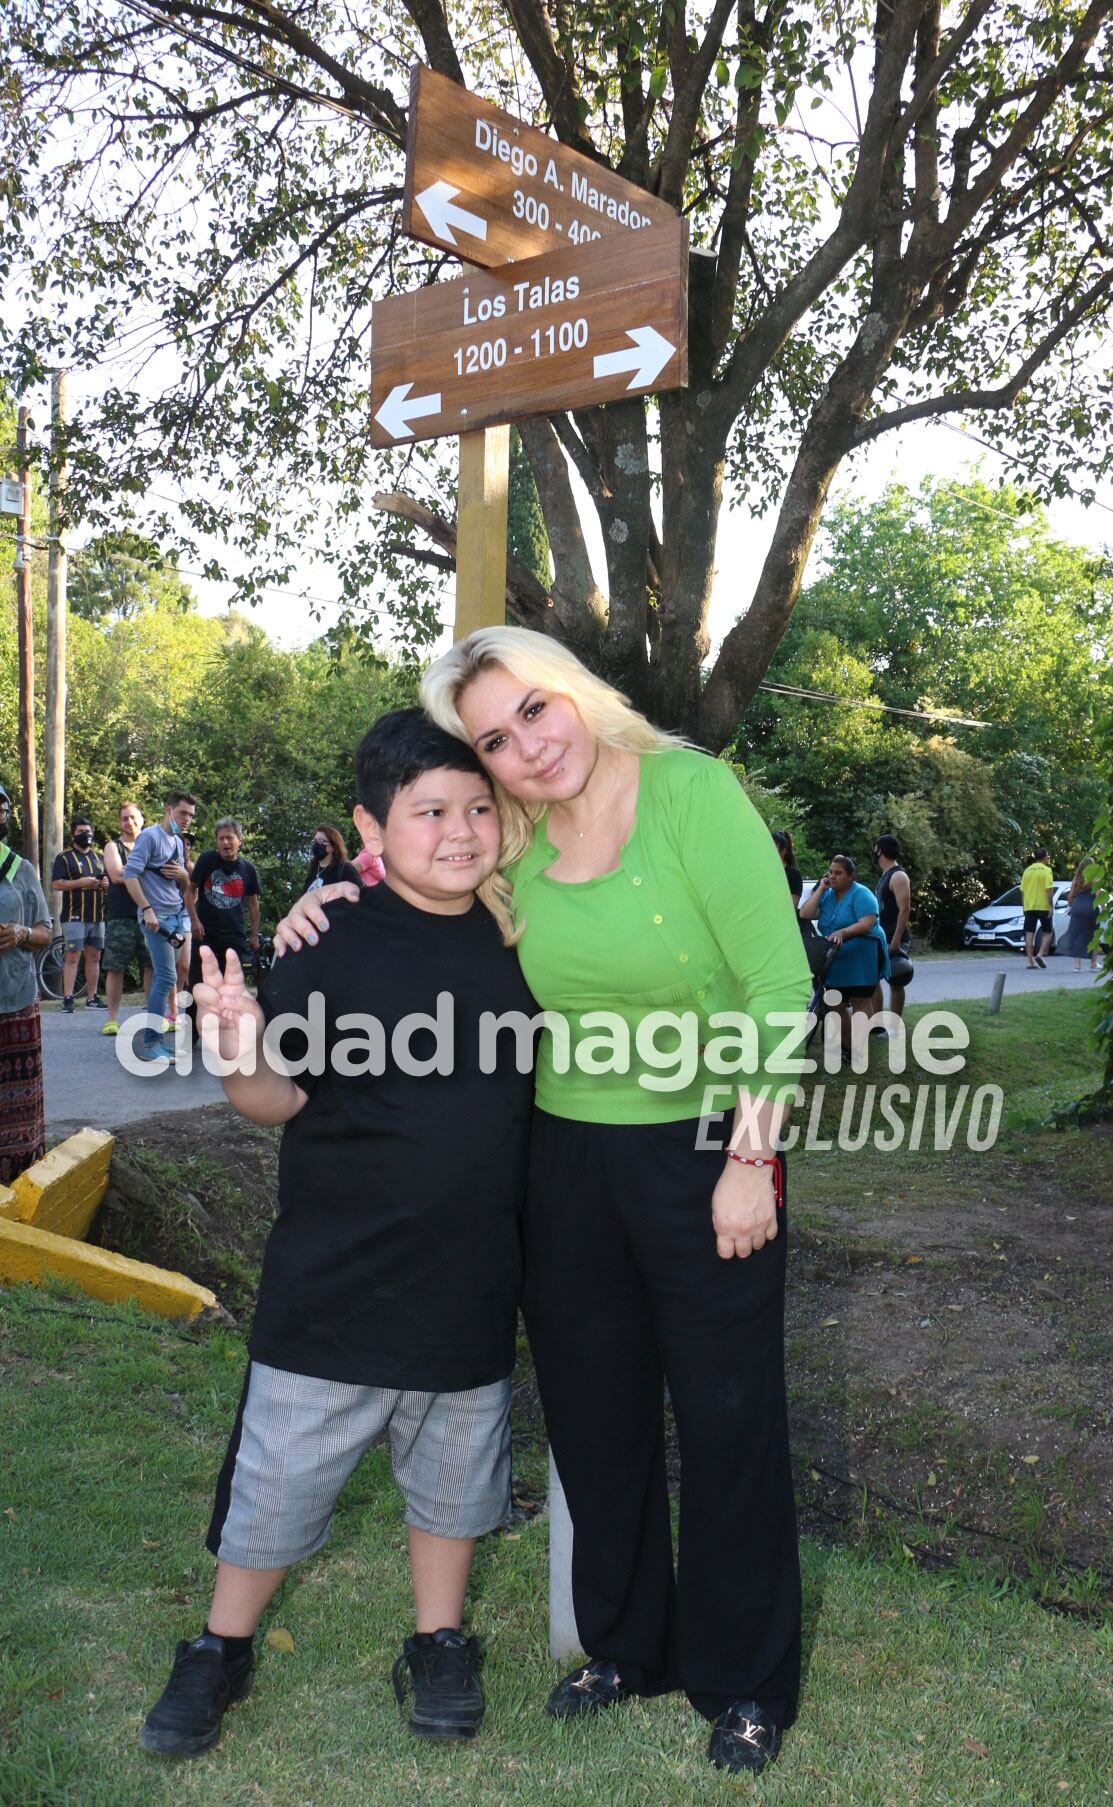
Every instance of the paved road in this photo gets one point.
(972, 976)
(86, 1085)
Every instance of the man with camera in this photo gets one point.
(157, 878)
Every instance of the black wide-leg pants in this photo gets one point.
(625, 1291)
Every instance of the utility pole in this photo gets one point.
(28, 775)
(54, 727)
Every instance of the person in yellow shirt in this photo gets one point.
(1035, 894)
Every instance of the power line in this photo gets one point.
(1013, 458)
(846, 702)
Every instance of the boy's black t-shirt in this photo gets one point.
(395, 1259)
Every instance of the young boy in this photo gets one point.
(390, 1279)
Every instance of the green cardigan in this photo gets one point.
(695, 919)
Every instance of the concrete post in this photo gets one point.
(995, 994)
(564, 1639)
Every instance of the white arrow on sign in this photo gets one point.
(396, 412)
(437, 205)
(651, 353)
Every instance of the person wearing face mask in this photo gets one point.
(24, 931)
(222, 887)
(328, 860)
(79, 877)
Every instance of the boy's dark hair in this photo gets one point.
(888, 845)
(173, 798)
(80, 822)
(1040, 854)
(395, 752)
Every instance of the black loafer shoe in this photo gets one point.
(446, 1698)
(592, 1689)
(744, 1738)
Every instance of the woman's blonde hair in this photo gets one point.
(542, 664)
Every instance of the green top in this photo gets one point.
(695, 919)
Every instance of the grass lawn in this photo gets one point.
(918, 1689)
(948, 1343)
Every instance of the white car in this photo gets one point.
(1001, 923)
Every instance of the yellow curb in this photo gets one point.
(62, 1193)
(29, 1254)
(9, 1203)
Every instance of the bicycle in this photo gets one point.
(48, 967)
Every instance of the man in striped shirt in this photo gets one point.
(78, 876)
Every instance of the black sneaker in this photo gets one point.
(185, 1719)
(447, 1700)
(744, 1738)
(1041, 963)
(95, 1003)
(67, 1006)
(592, 1689)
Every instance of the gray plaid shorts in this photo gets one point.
(299, 1439)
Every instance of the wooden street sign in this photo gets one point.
(569, 330)
(494, 190)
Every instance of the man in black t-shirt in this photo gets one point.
(79, 878)
(222, 887)
(390, 1281)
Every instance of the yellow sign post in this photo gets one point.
(481, 530)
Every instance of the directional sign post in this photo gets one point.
(552, 319)
(496, 190)
(567, 330)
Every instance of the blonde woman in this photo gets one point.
(643, 882)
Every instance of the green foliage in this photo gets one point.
(118, 574)
(526, 538)
(1098, 1105)
(161, 696)
(201, 209)
(956, 598)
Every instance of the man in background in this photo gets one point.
(156, 878)
(79, 878)
(223, 901)
(1036, 894)
(894, 905)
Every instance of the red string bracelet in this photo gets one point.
(762, 1160)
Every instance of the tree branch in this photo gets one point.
(756, 349)
(429, 17)
(733, 237)
(687, 99)
(964, 207)
(374, 104)
(580, 605)
(528, 604)
(556, 79)
(962, 401)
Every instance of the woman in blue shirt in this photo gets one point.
(846, 913)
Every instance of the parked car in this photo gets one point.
(1001, 923)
